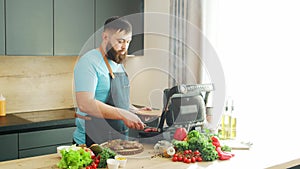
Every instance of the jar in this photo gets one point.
(2, 106)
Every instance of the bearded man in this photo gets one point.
(102, 88)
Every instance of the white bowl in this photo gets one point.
(112, 163)
(64, 147)
(122, 160)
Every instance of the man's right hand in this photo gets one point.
(131, 120)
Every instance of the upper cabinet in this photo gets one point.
(2, 29)
(63, 27)
(29, 27)
(131, 10)
(73, 25)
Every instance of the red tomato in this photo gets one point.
(180, 158)
(94, 165)
(186, 151)
(184, 159)
(193, 159)
(174, 159)
(199, 159)
(175, 155)
(88, 167)
(188, 161)
(196, 152)
(97, 161)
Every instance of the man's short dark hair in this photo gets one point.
(117, 24)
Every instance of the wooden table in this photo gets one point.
(243, 159)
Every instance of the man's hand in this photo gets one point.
(131, 120)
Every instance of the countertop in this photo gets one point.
(37, 120)
(244, 159)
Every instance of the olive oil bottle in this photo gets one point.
(226, 123)
(233, 122)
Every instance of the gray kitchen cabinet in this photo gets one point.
(37, 151)
(29, 27)
(73, 25)
(44, 141)
(2, 30)
(8, 147)
(132, 10)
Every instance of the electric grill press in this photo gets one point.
(184, 106)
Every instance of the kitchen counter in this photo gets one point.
(243, 159)
(38, 120)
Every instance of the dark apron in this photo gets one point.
(99, 130)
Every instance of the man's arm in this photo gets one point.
(87, 104)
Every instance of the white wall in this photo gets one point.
(148, 73)
(259, 49)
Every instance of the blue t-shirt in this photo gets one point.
(91, 75)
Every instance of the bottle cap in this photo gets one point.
(2, 97)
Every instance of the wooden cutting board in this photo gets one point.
(126, 150)
(235, 144)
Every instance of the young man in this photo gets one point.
(102, 88)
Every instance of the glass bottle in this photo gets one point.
(233, 122)
(226, 122)
(2, 106)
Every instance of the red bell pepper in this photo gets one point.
(223, 155)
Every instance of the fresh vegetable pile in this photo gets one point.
(198, 147)
(90, 158)
(103, 153)
(74, 159)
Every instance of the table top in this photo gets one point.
(147, 160)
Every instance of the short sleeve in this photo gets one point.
(85, 76)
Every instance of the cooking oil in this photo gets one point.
(2, 106)
(226, 120)
(233, 123)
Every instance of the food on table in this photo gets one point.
(198, 146)
(74, 158)
(122, 160)
(161, 148)
(102, 153)
(180, 134)
(124, 147)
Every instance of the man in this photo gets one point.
(102, 88)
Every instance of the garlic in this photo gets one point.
(171, 151)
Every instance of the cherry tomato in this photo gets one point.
(94, 165)
(88, 167)
(180, 158)
(93, 156)
(97, 161)
(188, 160)
(199, 159)
(190, 151)
(193, 159)
(196, 152)
(186, 151)
(175, 155)
(174, 159)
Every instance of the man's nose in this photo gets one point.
(124, 46)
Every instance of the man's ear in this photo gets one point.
(105, 36)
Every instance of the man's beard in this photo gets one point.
(114, 55)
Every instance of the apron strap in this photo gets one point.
(107, 64)
(82, 117)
